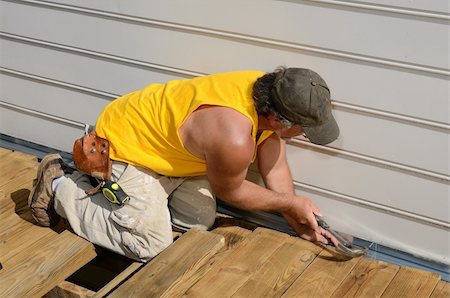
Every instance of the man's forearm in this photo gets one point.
(251, 196)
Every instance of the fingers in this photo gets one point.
(311, 219)
(331, 237)
(307, 233)
(312, 222)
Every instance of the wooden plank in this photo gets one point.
(14, 168)
(23, 156)
(369, 278)
(17, 178)
(15, 224)
(411, 282)
(14, 198)
(43, 265)
(280, 270)
(4, 151)
(233, 237)
(442, 290)
(323, 276)
(184, 256)
(19, 234)
(7, 153)
(227, 276)
(67, 289)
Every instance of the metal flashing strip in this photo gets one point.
(31, 148)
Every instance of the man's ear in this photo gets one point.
(274, 122)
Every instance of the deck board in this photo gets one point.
(233, 237)
(188, 253)
(283, 267)
(34, 259)
(410, 282)
(37, 269)
(442, 290)
(369, 278)
(227, 276)
(230, 261)
(322, 277)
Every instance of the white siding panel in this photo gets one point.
(354, 82)
(414, 237)
(438, 6)
(38, 130)
(360, 133)
(304, 22)
(86, 71)
(403, 143)
(49, 99)
(370, 182)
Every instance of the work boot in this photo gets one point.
(41, 200)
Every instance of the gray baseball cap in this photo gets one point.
(302, 96)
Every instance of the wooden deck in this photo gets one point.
(228, 261)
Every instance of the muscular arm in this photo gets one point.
(227, 164)
(274, 169)
(222, 137)
(273, 165)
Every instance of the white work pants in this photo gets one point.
(141, 228)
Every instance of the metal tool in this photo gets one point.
(344, 246)
(114, 193)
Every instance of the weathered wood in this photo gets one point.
(280, 270)
(14, 167)
(369, 278)
(67, 289)
(20, 235)
(4, 151)
(15, 199)
(322, 276)
(411, 282)
(180, 259)
(228, 275)
(16, 182)
(233, 237)
(22, 156)
(442, 290)
(44, 265)
(13, 224)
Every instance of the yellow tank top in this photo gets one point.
(143, 126)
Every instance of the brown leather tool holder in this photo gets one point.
(91, 156)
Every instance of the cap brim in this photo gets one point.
(323, 134)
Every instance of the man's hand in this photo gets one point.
(301, 216)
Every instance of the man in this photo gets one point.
(176, 146)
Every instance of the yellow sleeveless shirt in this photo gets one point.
(143, 126)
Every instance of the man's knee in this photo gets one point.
(192, 205)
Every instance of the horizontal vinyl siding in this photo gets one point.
(386, 179)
